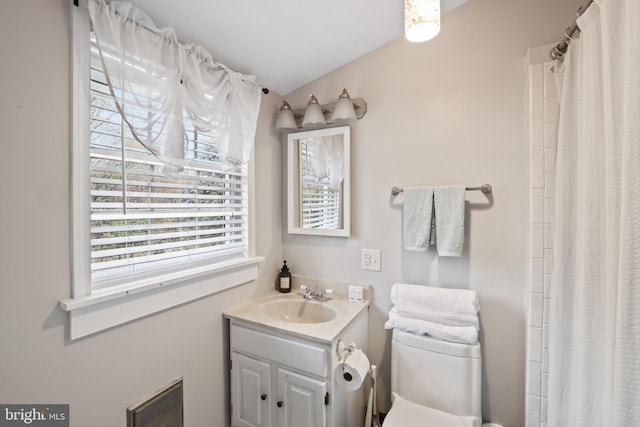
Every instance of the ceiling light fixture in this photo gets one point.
(421, 19)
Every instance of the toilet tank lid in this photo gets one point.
(431, 344)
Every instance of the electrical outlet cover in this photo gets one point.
(370, 259)
(352, 293)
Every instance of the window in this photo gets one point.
(144, 232)
(144, 220)
(320, 203)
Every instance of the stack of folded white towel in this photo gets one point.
(445, 314)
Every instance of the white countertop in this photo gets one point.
(346, 312)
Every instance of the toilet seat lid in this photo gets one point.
(404, 413)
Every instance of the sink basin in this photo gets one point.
(299, 311)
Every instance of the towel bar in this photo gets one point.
(486, 189)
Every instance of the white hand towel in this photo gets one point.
(444, 317)
(459, 334)
(408, 297)
(449, 208)
(418, 207)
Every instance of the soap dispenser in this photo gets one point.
(283, 283)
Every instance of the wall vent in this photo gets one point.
(163, 409)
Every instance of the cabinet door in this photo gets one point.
(250, 389)
(300, 400)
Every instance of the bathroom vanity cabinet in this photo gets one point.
(277, 381)
(282, 375)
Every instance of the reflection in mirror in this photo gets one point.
(318, 182)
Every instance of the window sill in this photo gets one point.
(106, 309)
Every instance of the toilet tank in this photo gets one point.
(439, 374)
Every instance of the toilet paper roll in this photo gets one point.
(351, 371)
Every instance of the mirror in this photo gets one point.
(318, 182)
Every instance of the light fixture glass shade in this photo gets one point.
(421, 19)
(313, 116)
(344, 113)
(285, 120)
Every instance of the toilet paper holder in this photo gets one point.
(343, 352)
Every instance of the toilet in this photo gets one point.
(434, 383)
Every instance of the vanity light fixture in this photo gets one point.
(314, 116)
(344, 113)
(285, 120)
(421, 19)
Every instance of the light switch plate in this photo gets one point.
(370, 259)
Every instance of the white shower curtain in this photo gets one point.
(594, 341)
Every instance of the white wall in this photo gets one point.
(449, 111)
(101, 375)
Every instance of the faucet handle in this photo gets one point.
(304, 290)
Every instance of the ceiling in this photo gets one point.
(284, 43)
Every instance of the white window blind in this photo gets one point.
(143, 220)
(320, 204)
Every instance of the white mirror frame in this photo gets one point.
(293, 183)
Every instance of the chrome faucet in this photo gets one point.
(315, 294)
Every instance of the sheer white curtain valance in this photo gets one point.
(166, 84)
(327, 159)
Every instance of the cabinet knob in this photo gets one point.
(279, 403)
(263, 397)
